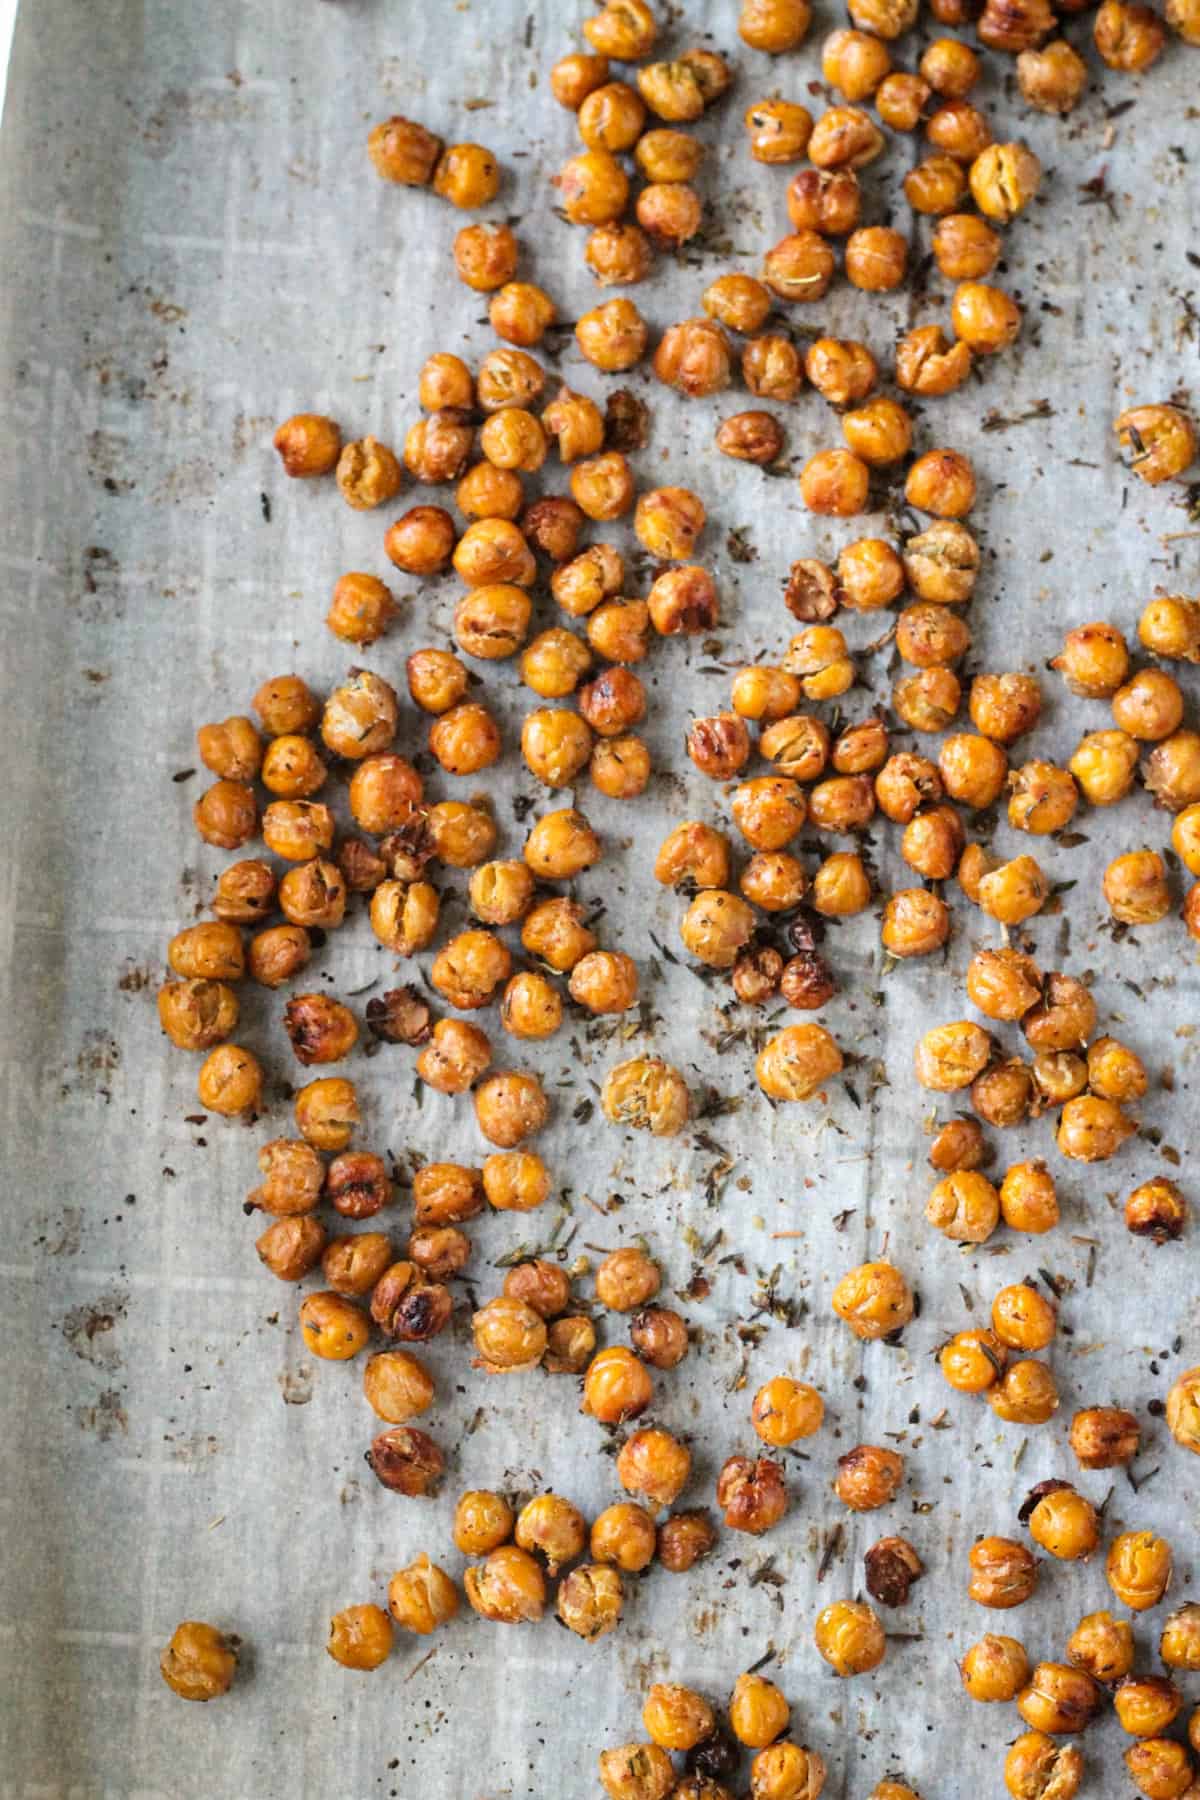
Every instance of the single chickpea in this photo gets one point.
(1015, 25)
(901, 100)
(845, 137)
(1052, 79)
(308, 445)
(835, 483)
(1139, 1571)
(868, 1477)
(941, 482)
(1179, 1642)
(531, 1006)
(455, 1057)
(508, 1587)
(276, 955)
(1028, 1201)
(637, 1772)
(876, 258)
(1036, 1761)
(824, 200)
(874, 1299)
(928, 364)
(677, 1718)
(774, 25)
(659, 1336)
(555, 931)
(226, 815)
(752, 1494)
(958, 1145)
(576, 76)
(972, 1361)
(664, 155)
(985, 318)
(683, 1539)
(230, 1081)
(1157, 1210)
(1128, 37)
(995, 1668)
(509, 1337)
(716, 926)
(785, 1410)
(625, 1536)
(1003, 1573)
(646, 1094)
(616, 1387)
(772, 369)
(778, 130)
(1015, 891)
(1104, 1437)
(935, 186)
(1094, 661)
(1062, 1521)
(1102, 1647)
(965, 247)
(515, 1181)
(619, 254)
(1041, 797)
(1135, 887)
(928, 700)
(200, 1662)
(849, 1636)
(854, 62)
(1058, 1698)
(964, 1206)
(915, 923)
(1005, 707)
(669, 212)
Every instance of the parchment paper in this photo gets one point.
(192, 247)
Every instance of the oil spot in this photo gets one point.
(296, 1386)
(194, 1449)
(134, 980)
(105, 1418)
(89, 1330)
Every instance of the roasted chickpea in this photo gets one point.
(1015, 891)
(778, 130)
(576, 76)
(1179, 1642)
(508, 1587)
(668, 522)
(439, 1252)
(772, 369)
(456, 1056)
(1101, 1646)
(929, 700)
(553, 525)
(958, 1145)
(404, 917)
(1139, 1572)
(1058, 1698)
(901, 99)
(654, 1466)
(1028, 1201)
(616, 1387)
(603, 486)
(964, 1206)
(1157, 1210)
(1170, 627)
(774, 25)
(232, 749)
(949, 1057)
(1026, 1394)
(835, 484)
(936, 185)
(637, 1772)
(861, 748)
(555, 932)
(659, 1336)
(510, 1107)
(676, 1717)
(684, 1539)
(669, 212)
(716, 926)
(1146, 1705)
(845, 137)
(531, 1006)
(1052, 79)
(230, 1081)
(291, 1248)
(849, 1636)
(332, 1328)
(226, 815)
(752, 1496)
(200, 1662)
(738, 302)
(965, 247)
(1061, 1520)
(646, 1094)
(308, 445)
(972, 1361)
(874, 1300)
(1135, 887)
(553, 1528)
(876, 258)
(768, 812)
(1129, 37)
(868, 1477)
(694, 853)
(1149, 706)
(1003, 1573)
(277, 954)
(663, 156)
(515, 1181)
(1036, 1768)
(915, 923)
(995, 1668)
(625, 1536)
(758, 1712)
(1159, 1767)
(1094, 661)
(785, 1410)
(1041, 797)
(1181, 17)
(509, 1336)
(854, 62)
(799, 267)
(824, 200)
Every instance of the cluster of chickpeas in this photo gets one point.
(758, 1719)
(1058, 1699)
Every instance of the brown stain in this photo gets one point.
(88, 1330)
(135, 980)
(105, 1418)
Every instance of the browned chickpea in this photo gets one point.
(854, 62)
(668, 522)
(1003, 1573)
(1157, 1210)
(949, 1057)
(905, 783)
(493, 552)
(958, 1145)
(293, 1177)
(1181, 17)
(554, 662)
(455, 1057)
(1129, 37)
(716, 926)
(1004, 707)
(550, 1526)
(835, 483)
(1183, 1410)
(695, 854)
(308, 445)
(277, 954)
(352, 1266)
(439, 1252)
(616, 1387)
(875, 260)
(1005, 984)
(719, 746)
(508, 1588)
(964, 1206)
(487, 492)
(446, 1194)
(933, 842)
(544, 1286)
(1093, 661)
(799, 267)
(665, 156)
(509, 1336)
(926, 362)
(230, 1081)
(515, 1181)
(845, 137)
(614, 701)
(603, 486)
(738, 302)
(817, 656)
(613, 337)
(1065, 1017)
(1026, 1394)
(422, 1597)
(901, 99)
(1058, 1698)
(1170, 627)
(1015, 891)
(362, 606)
(531, 1006)
(1149, 706)
(1004, 179)
(233, 749)
(861, 748)
(972, 1361)
(1102, 1647)
(1160, 440)
(1146, 1705)
(1139, 1571)
(553, 525)
(468, 970)
(936, 185)
(485, 257)
(556, 744)
(683, 1539)
(403, 151)
(774, 881)
(1061, 1520)
(965, 248)
(1104, 1437)
(915, 923)
(612, 116)
(297, 829)
(1042, 797)
(510, 1107)
(483, 1520)
(593, 187)
(950, 67)
(774, 25)
(1052, 79)
(618, 254)
(1172, 772)
(245, 892)
(654, 1466)
(996, 1668)
(467, 175)
(226, 815)
(797, 1062)
(844, 803)
(1135, 887)
(659, 1336)
(778, 130)
(492, 621)
(1179, 1645)
(368, 474)
(556, 933)
(291, 1248)
(874, 1300)
(849, 1636)
(576, 76)
(501, 892)
(199, 1663)
(669, 212)
(1005, 1094)
(752, 1496)
(605, 981)
(1028, 1201)
(870, 575)
(868, 1477)
(197, 1013)
(771, 368)
(1036, 1766)
(984, 318)
(438, 448)
(207, 952)
(637, 1772)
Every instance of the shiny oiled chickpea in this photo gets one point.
(200, 1662)
(758, 1711)
(669, 212)
(755, 437)
(439, 1252)
(1022, 1318)
(716, 926)
(646, 1094)
(1157, 1210)
(972, 1361)
(797, 1062)
(1004, 707)
(780, 1770)
(949, 1057)
(1149, 707)
(868, 1477)
(360, 716)
(774, 25)
(494, 552)
(1003, 1573)
(1052, 79)
(1061, 1520)
(1181, 17)
(774, 881)
(778, 130)
(1028, 1201)
(901, 99)
(576, 76)
(1015, 25)
(800, 267)
(835, 484)
(593, 187)
(230, 1081)
(196, 1014)
(352, 1266)
(367, 474)
(1146, 1705)
(1036, 1768)
(277, 954)
(1102, 1647)
(422, 1597)
(552, 1527)
(467, 175)
(861, 748)
(1058, 1699)
(965, 247)
(1135, 887)
(625, 1536)
(662, 156)
(941, 482)
(964, 1206)
(929, 635)
(207, 952)
(915, 923)
(752, 1495)
(984, 318)
(455, 1057)
(1094, 660)
(1170, 627)
(1114, 1071)
(510, 1107)
(995, 1668)
(849, 1636)
(1139, 1570)
(437, 449)
(1129, 37)
(785, 1410)
(291, 1248)
(226, 815)
(1004, 179)
(1005, 1094)
(696, 854)
(958, 1145)
(1015, 891)
(772, 369)
(654, 1466)
(297, 829)
(1159, 1767)
(824, 200)
(1026, 1394)
(929, 700)
(637, 1772)
(531, 1006)
(950, 67)
(332, 1327)
(509, 1336)
(232, 749)
(875, 260)
(974, 771)
(676, 1717)
(817, 656)
(845, 137)
(935, 186)
(293, 1176)
(1179, 1642)
(515, 1181)
(738, 302)
(619, 254)
(508, 1587)
(932, 843)
(928, 364)
(617, 1386)
(1041, 797)
(960, 129)
(1160, 441)
(308, 445)
(874, 1300)
(1065, 1016)
(603, 486)
(854, 62)
(285, 705)
(626, 1279)
(1172, 772)
(245, 892)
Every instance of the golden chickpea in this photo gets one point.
(1170, 627)
(995, 1668)
(664, 155)
(1058, 1699)
(352, 1266)
(308, 445)
(974, 771)
(483, 1520)
(438, 448)
(618, 254)
(752, 1495)
(531, 1006)
(403, 151)
(1139, 1571)
(738, 302)
(207, 952)
(368, 474)
(510, 1107)
(226, 815)
(719, 746)
(277, 954)
(555, 932)
(1135, 887)
(683, 601)
(556, 744)
(285, 705)
(233, 749)
(785, 1410)
(197, 1013)
(291, 1248)
(771, 368)
(941, 482)
(874, 1300)
(964, 1206)
(1052, 79)
(1004, 179)
(1022, 1318)
(422, 1597)
(508, 1587)
(509, 1336)
(637, 1772)
(972, 1361)
(1015, 891)
(646, 1094)
(868, 1477)
(758, 1712)
(1172, 771)
(716, 926)
(613, 337)
(230, 1081)
(1026, 1394)
(1179, 1642)
(778, 130)
(841, 370)
(958, 1145)
(293, 1177)
(668, 522)
(1102, 1647)
(468, 970)
(876, 258)
(199, 1663)
(1181, 17)
(554, 663)
(515, 1181)
(593, 187)
(576, 76)
(862, 748)
(669, 212)
(553, 1528)
(845, 137)
(467, 175)
(1129, 37)
(553, 525)
(491, 621)
(603, 486)
(694, 853)
(605, 981)
(677, 1718)
(1063, 1522)
(849, 1636)
(485, 257)
(950, 67)
(774, 25)
(1037, 1767)
(494, 551)
(781, 1769)
(1003, 1573)
(984, 318)
(654, 1466)
(1094, 661)
(966, 249)
(854, 62)
(1146, 1705)
(1157, 1210)
(625, 1536)
(835, 484)
(332, 1328)
(936, 185)
(1028, 1201)
(901, 99)
(455, 1057)
(616, 1387)
(915, 923)
(1149, 707)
